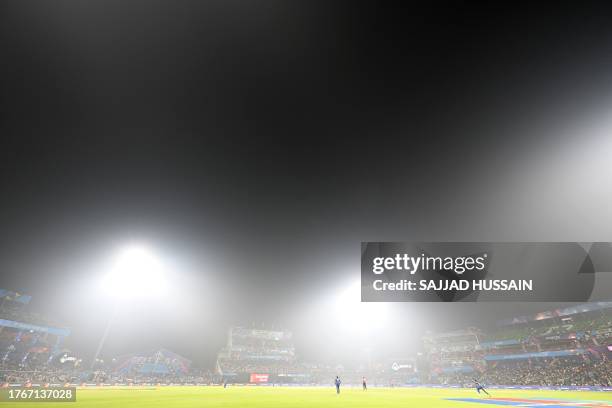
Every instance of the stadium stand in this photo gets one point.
(164, 362)
(260, 356)
(564, 347)
(26, 339)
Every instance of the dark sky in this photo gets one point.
(256, 144)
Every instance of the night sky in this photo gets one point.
(254, 145)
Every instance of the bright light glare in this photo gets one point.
(135, 272)
(358, 315)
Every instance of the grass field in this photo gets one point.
(287, 397)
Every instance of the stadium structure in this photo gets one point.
(28, 341)
(563, 347)
(260, 356)
(570, 347)
(158, 362)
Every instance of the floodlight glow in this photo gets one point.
(135, 272)
(358, 315)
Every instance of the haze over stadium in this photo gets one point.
(185, 188)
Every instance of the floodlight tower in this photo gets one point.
(136, 273)
(357, 315)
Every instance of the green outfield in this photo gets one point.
(303, 397)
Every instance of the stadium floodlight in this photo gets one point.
(358, 315)
(135, 272)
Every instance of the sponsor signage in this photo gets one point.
(259, 378)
